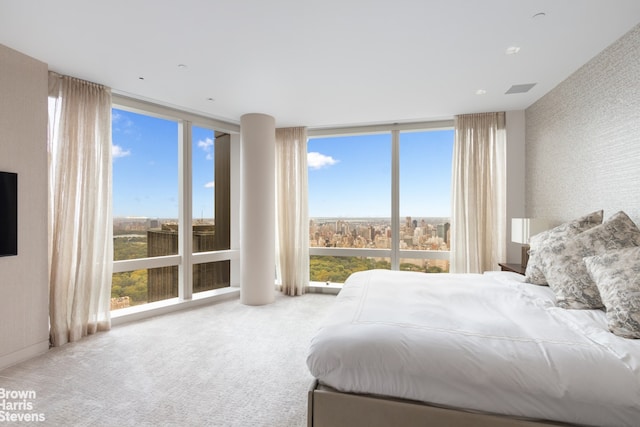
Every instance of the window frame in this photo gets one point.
(395, 254)
(186, 259)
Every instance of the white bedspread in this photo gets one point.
(482, 342)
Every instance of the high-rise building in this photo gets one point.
(163, 282)
(447, 228)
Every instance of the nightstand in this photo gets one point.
(516, 268)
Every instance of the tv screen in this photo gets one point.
(8, 213)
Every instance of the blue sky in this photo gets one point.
(351, 176)
(145, 167)
(348, 176)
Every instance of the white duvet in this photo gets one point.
(481, 342)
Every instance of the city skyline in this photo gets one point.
(419, 233)
(413, 233)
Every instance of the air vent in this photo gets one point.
(520, 88)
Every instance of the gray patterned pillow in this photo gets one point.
(617, 274)
(567, 274)
(544, 245)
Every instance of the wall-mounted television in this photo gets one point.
(8, 213)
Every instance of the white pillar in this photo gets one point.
(257, 211)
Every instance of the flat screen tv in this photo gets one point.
(8, 214)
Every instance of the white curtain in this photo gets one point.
(292, 217)
(80, 230)
(478, 224)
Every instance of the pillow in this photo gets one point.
(617, 275)
(567, 274)
(542, 246)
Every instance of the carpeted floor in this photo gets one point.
(221, 365)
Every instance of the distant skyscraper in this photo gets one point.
(447, 228)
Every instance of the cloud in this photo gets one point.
(117, 151)
(122, 123)
(207, 147)
(206, 144)
(211, 184)
(317, 160)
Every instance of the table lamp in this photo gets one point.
(521, 231)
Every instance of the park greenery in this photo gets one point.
(130, 283)
(321, 268)
(337, 269)
(129, 247)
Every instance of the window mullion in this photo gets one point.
(185, 215)
(395, 199)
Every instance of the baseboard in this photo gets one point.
(23, 354)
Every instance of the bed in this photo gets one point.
(404, 348)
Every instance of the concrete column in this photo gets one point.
(257, 209)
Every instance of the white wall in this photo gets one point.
(24, 299)
(583, 139)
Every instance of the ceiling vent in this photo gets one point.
(520, 88)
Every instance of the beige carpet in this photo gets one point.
(222, 365)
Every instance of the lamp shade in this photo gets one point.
(523, 228)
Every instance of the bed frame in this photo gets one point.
(328, 407)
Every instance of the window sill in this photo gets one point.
(144, 311)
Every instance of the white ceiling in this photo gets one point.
(319, 63)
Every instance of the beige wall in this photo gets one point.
(583, 139)
(515, 126)
(24, 330)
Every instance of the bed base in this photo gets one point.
(328, 407)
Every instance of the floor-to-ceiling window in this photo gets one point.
(376, 200)
(349, 205)
(425, 200)
(145, 204)
(211, 199)
(379, 199)
(171, 206)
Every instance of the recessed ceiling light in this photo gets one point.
(182, 66)
(210, 99)
(140, 78)
(480, 92)
(539, 15)
(512, 50)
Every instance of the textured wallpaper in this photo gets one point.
(583, 139)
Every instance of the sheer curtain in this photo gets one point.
(478, 223)
(292, 217)
(80, 233)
